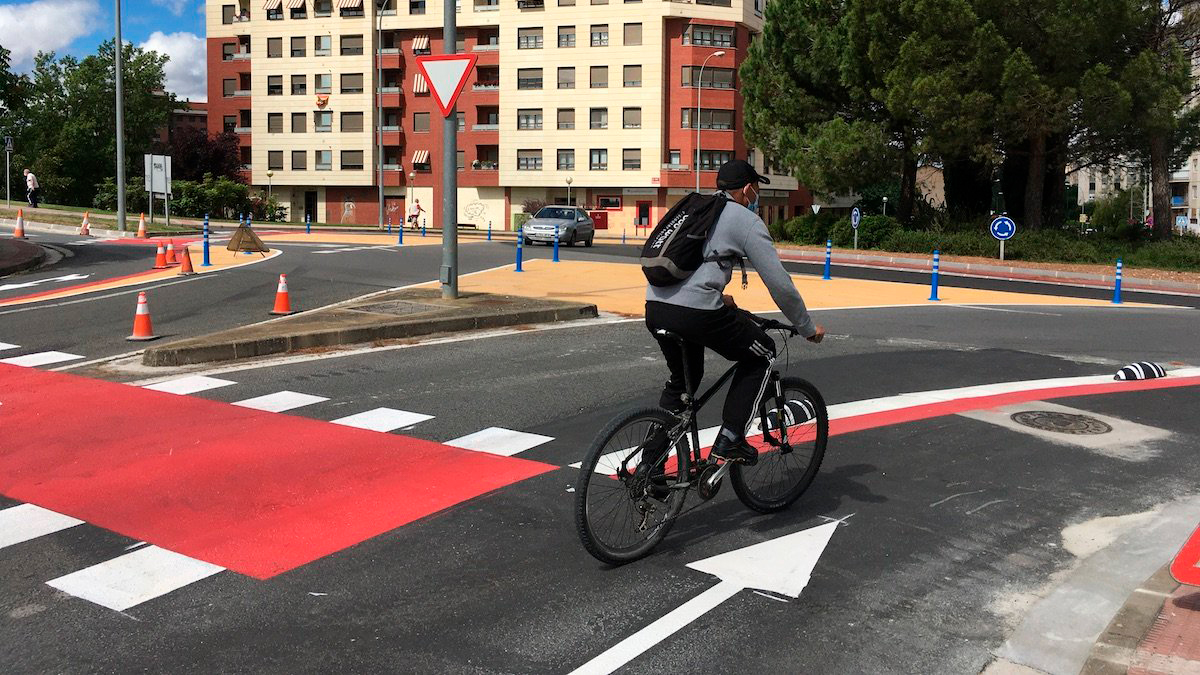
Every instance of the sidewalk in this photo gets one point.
(1156, 632)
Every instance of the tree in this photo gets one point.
(194, 153)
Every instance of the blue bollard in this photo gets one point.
(307, 224)
(622, 236)
(828, 258)
(241, 219)
(207, 262)
(400, 235)
(520, 248)
(1117, 285)
(555, 244)
(933, 295)
(422, 227)
(389, 225)
(489, 230)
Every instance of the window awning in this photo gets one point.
(421, 157)
(349, 4)
(420, 85)
(295, 4)
(272, 4)
(420, 42)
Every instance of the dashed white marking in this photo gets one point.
(134, 578)
(191, 384)
(499, 441)
(38, 282)
(382, 419)
(6, 345)
(280, 401)
(40, 359)
(26, 521)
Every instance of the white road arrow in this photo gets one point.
(781, 565)
(28, 284)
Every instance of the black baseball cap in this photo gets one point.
(738, 173)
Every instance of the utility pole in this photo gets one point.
(379, 6)
(120, 46)
(449, 272)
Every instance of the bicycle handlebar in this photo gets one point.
(772, 324)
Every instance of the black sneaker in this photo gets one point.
(735, 451)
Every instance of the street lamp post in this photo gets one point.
(412, 176)
(698, 83)
(569, 202)
(120, 87)
(270, 173)
(885, 206)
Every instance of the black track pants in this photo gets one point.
(727, 332)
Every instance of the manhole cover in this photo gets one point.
(398, 307)
(1060, 422)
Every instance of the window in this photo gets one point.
(322, 45)
(529, 160)
(750, 157)
(599, 161)
(274, 48)
(598, 118)
(566, 3)
(600, 35)
(300, 12)
(323, 121)
(298, 47)
(566, 36)
(274, 85)
(352, 160)
(460, 160)
(460, 121)
(352, 45)
(352, 83)
(298, 123)
(599, 2)
(633, 34)
(422, 166)
(714, 78)
(275, 13)
(228, 50)
(416, 6)
(323, 7)
(566, 118)
(531, 4)
(609, 203)
(631, 118)
(355, 9)
(228, 12)
(529, 78)
(566, 78)
(709, 119)
(352, 121)
(228, 86)
(299, 85)
(633, 76)
(229, 122)
(631, 159)
(711, 160)
(275, 159)
(274, 123)
(529, 118)
(708, 36)
(323, 83)
(599, 77)
(674, 159)
(420, 121)
(299, 160)
(529, 38)
(566, 160)
(324, 160)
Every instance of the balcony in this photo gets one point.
(485, 48)
(1181, 176)
(390, 99)
(389, 127)
(674, 167)
(478, 165)
(485, 127)
(391, 167)
(393, 137)
(241, 130)
(485, 86)
(241, 92)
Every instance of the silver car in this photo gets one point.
(573, 224)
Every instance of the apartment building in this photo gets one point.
(591, 101)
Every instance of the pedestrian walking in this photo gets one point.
(32, 187)
(414, 213)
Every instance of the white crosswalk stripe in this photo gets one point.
(40, 359)
(383, 419)
(26, 521)
(499, 441)
(281, 401)
(6, 345)
(191, 384)
(134, 578)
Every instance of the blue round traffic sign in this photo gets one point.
(855, 218)
(1003, 228)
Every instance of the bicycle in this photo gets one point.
(790, 429)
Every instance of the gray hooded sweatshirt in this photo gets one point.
(742, 234)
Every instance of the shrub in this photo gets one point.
(809, 229)
(531, 206)
(874, 229)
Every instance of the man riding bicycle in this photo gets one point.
(698, 311)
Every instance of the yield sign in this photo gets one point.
(446, 73)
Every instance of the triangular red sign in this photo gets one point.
(447, 75)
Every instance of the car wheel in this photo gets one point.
(528, 241)
(589, 241)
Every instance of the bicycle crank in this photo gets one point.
(710, 480)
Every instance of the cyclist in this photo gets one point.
(698, 310)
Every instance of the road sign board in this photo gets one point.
(855, 218)
(1003, 228)
(8, 144)
(158, 174)
(1181, 222)
(816, 208)
(446, 74)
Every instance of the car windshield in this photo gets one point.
(555, 213)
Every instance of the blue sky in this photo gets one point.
(174, 27)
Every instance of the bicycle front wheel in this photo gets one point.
(620, 513)
(793, 428)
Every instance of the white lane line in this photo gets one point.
(499, 441)
(6, 345)
(280, 401)
(382, 419)
(26, 521)
(134, 578)
(40, 359)
(191, 384)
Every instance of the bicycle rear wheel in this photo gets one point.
(619, 514)
(797, 422)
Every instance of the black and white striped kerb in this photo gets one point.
(1140, 371)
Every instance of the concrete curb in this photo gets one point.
(29, 255)
(1113, 651)
(50, 228)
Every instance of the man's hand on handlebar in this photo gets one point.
(729, 302)
(818, 336)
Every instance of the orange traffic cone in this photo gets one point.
(171, 252)
(19, 232)
(283, 305)
(142, 227)
(160, 260)
(185, 260)
(85, 226)
(142, 328)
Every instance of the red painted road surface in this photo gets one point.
(258, 493)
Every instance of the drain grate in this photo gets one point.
(397, 307)
(1062, 423)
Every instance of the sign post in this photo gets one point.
(1003, 229)
(8, 151)
(855, 219)
(447, 74)
(158, 180)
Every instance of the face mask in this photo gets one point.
(753, 205)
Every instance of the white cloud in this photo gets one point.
(186, 71)
(45, 25)
(176, 6)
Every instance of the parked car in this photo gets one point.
(574, 225)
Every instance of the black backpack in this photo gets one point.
(675, 249)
